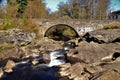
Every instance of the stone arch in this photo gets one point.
(61, 32)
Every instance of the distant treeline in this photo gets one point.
(75, 9)
(25, 9)
(83, 9)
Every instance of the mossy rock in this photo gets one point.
(5, 46)
(112, 26)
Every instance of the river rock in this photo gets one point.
(109, 71)
(12, 42)
(35, 62)
(50, 47)
(13, 53)
(73, 71)
(94, 52)
(46, 58)
(107, 36)
(111, 74)
(1, 72)
(117, 59)
(65, 66)
(16, 36)
(9, 66)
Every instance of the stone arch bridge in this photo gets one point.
(80, 26)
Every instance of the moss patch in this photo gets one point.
(112, 26)
(5, 46)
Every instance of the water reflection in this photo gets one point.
(28, 72)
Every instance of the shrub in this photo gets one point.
(25, 24)
(5, 46)
(30, 26)
(112, 26)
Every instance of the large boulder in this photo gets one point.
(14, 45)
(16, 36)
(93, 61)
(107, 36)
(111, 71)
(9, 51)
(110, 75)
(93, 52)
(9, 66)
(1, 72)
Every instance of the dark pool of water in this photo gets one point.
(29, 72)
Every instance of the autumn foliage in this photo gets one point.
(74, 9)
(25, 9)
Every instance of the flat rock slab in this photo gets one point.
(107, 36)
(93, 52)
(16, 36)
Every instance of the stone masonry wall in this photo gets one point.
(81, 26)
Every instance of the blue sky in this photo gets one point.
(52, 4)
(3, 4)
(114, 5)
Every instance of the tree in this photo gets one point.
(64, 11)
(21, 8)
(27, 9)
(36, 9)
(16, 8)
(12, 7)
(102, 9)
(85, 9)
(2, 13)
(75, 9)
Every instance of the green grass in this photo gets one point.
(112, 26)
(25, 24)
(5, 46)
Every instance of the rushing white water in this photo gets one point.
(57, 57)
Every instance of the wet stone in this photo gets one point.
(35, 62)
(9, 66)
(1, 72)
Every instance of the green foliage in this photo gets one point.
(8, 24)
(69, 32)
(25, 24)
(26, 9)
(17, 7)
(21, 8)
(83, 9)
(29, 25)
(5, 46)
(112, 26)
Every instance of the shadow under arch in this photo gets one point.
(60, 32)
